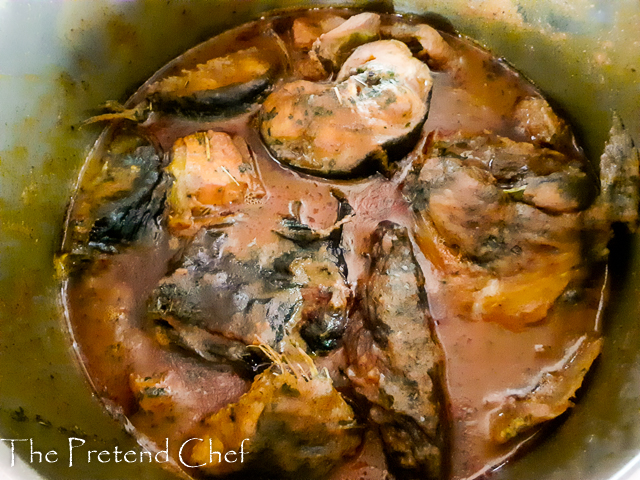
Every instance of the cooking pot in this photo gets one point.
(60, 60)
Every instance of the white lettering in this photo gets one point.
(212, 453)
(180, 454)
(227, 454)
(132, 452)
(242, 452)
(72, 446)
(13, 450)
(165, 451)
(116, 452)
(34, 452)
(100, 456)
(46, 457)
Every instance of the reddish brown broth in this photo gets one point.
(107, 303)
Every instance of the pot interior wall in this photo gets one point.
(60, 60)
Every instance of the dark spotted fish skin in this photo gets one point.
(397, 361)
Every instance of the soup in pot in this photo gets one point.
(341, 245)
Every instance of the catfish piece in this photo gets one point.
(619, 178)
(306, 30)
(289, 291)
(324, 315)
(292, 420)
(212, 173)
(502, 222)
(432, 46)
(221, 86)
(124, 201)
(509, 226)
(368, 119)
(334, 46)
(549, 396)
(619, 191)
(251, 301)
(397, 362)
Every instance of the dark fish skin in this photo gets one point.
(619, 192)
(222, 102)
(397, 362)
(239, 81)
(124, 219)
(213, 299)
(123, 203)
(620, 176)
(214, 291)
(619, 181)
